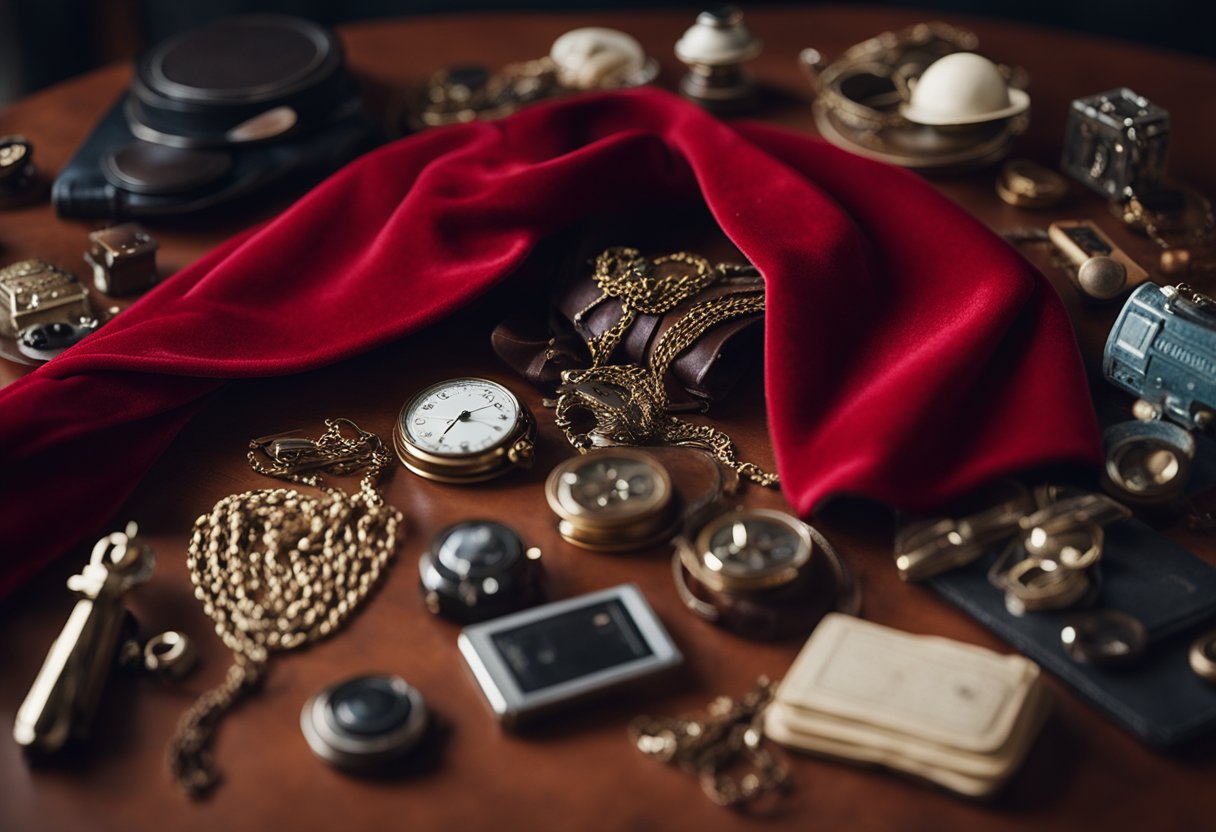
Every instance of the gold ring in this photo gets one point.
(1203, 656)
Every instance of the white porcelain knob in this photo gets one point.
(962, 88)
(717, 39)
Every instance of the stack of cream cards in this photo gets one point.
(958, 715)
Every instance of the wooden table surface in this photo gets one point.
(578, 772)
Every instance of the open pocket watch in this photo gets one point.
(464, 430)
(763, 573)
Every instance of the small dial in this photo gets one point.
(612, 499)
(750, 550)
(604, 485)
(461, 416)
(749, 546)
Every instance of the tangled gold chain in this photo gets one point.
(707, 746)
(278, 569)
(629, 403)
(643, 285)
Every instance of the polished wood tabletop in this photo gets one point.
(578, 771)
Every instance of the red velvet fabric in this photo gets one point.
(910, 354)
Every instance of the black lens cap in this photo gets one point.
(364, 721)
(145, 168)
(368, 706)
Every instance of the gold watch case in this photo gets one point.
(775, 548)
(614, 499)
(483, 448)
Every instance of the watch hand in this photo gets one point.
(739, 536)
(464, 414)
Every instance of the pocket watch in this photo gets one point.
(749, 550)
(477, 570)
(762, 573)
(612, 500)
(464, 430)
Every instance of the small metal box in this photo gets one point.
(1116, 143)
(36, 292)
(123, 258)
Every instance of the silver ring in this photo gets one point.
(170, 654)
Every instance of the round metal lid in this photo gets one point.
(145, 168)
(242, 59)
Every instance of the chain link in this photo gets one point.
(642, 285)
(629, 403)
(278, 569)
(706, 747)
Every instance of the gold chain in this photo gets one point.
(278, 569)
(629, 403)
(1183, 236)
(643, 286)
(706, 747)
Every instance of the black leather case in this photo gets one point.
(215, 113)
(83, 189)
(1160, 700)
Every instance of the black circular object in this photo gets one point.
(1147, 463)
(477, 549)
(367, 706)
(145, 168)
(364, 722)
(1106, 638)
(194, 89)
(243, 59)
(479, 569)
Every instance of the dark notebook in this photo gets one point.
(1160, 699)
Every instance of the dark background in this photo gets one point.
(44, 41)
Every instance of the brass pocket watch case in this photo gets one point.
(613, 499)
(464, 430)
(762, 573)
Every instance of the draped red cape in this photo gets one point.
(910, 353)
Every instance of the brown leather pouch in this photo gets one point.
(539, 346)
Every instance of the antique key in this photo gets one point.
(64, 697)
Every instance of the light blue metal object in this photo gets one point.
(1162, 349)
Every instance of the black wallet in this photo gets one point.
(1160, 699)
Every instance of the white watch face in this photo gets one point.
(460, 416)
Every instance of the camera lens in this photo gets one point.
(368, 706)
(364, 721)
